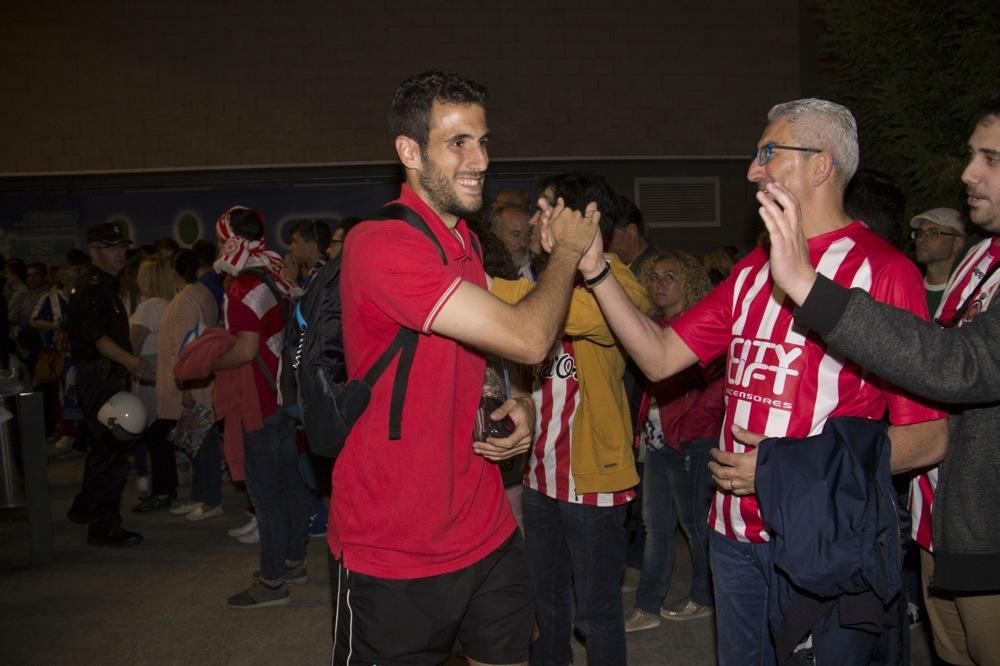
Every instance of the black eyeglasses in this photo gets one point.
(929, 234)
(764, 153)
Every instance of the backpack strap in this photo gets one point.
(398, 211)
(405, 342)
(264, 370)
(283, 303)
(405, 345)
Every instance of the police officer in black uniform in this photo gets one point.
(99, 342)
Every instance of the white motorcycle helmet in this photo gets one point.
(124, 415)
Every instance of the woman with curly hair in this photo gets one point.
(679, 422)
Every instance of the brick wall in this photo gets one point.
(150, 84)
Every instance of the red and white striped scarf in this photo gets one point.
(236, 253)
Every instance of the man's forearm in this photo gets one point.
(231, 359)
(544, 308)
(642, 338)
(918, 445)
(110, 350)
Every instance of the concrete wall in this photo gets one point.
(150, 84)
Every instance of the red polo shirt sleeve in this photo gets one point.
(407, 283)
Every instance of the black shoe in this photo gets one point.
(77, 515)
(118, 537)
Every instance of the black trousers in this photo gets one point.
(106, 468)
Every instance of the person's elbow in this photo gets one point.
(532, 348)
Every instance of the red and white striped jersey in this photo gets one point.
(966, 282)
(781, 380)
(557, 397)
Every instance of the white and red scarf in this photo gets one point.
(236, 254)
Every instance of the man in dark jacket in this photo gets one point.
(99, 341)
(955, 362)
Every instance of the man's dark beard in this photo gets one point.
(441, 193)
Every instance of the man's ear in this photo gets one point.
(408, 151)
(823, 168)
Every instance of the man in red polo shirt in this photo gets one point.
(427, 546)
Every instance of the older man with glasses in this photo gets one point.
(956, 362)
(780, 381)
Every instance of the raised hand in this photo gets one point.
(563, 226)
(790, 265)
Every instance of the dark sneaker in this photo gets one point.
(153, 503)
(295, 575)
(259, 595)
(119, 537)
(685, 609)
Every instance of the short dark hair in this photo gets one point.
(877, 200)
(246, 223)
(579, 189)
(410, 111)
(629, 213)
(313, 231)
(206, 252)
(186, 264)
(989, 107)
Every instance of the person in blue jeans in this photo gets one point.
(258, 292)
(679, 422)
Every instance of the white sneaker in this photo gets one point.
(250, 537)
(640, 620)
(203, 512)
(65, 442)
(184, 508)
(246, 528)
(685, 609)
(142, 485)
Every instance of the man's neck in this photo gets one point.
(413, 183)
(938, 272)
(822, 219)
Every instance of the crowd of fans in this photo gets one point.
(598, 457)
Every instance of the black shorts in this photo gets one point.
(488, 606)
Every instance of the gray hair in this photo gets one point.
(496, 214)
(821, 124)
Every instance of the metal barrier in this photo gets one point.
(24, 479)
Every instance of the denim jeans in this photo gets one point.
(278, 493)
(677, 487)
(206, 486)
(740, 572)
(579, 549)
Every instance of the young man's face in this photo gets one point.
(623, 242)
(34, 278)
(303, 251)
(982, 175)
(454, 162)
(336, 243)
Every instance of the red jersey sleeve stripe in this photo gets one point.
(440, 304)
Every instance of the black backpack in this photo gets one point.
(315, 350)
